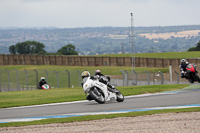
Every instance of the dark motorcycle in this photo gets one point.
(191, 74)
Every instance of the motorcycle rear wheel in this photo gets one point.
(97, 96)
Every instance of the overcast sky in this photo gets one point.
(98, 13)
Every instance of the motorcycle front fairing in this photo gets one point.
(45, 86)
(103, 87)
(108, 95)
(191, 68)
(88, 83)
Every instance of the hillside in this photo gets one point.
(101, 40)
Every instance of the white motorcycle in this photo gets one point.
(45, 86)
(99, 92)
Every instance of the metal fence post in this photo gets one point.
(123, 76)
(148, 77)
(177, 76)
(36, 78)
(135, 77)
(68, 78)
(127, 76)
(57, 78)
(26, 79)
(8, 79)
(79, 74)
(154, 78)
(46, 74)
(17, 78)
(162, 77)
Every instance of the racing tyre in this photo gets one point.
(120, 97)
(97, 96)
(197, 77)
(191, 80)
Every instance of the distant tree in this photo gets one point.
(22, 48)
(12, 49)
(30, 47)
(68, 50)
(197, 48)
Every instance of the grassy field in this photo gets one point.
(166, 55)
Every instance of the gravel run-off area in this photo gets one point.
(158, 123)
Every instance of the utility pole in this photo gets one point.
(132, 44)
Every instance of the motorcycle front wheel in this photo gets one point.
(197, 77)
(120, 97)
(97, 96)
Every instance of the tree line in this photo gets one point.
(196, 48)
(34, 47)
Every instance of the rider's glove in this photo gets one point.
(182, 75)
(92, 77)
(113, 87)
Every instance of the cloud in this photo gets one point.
(90, 13)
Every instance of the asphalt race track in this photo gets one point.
(166, 99)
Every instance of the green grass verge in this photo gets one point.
(35, 97)
(98, 117)
(166, 55)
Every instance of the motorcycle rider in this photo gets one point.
(104, 79)
(183, 67)
(98, 75)
(42, 82)
(85, 75)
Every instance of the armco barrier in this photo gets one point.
(89, 61)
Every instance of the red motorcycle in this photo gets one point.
(191, 73)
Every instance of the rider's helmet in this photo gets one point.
(85, 74)
(42, 78)
(97, 72)
(184, 62)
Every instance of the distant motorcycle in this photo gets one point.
(99, 92)
(45, 86)
(191, 73)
